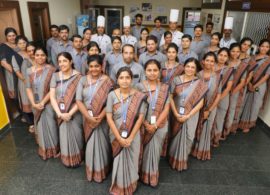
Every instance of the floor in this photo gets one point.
(241, 165)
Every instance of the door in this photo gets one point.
(191, 17)
(113, 19)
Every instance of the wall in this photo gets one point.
(265, 114)
(166, 4)
(61, 12)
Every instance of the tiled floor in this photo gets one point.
(241, 165)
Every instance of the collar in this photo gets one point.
(147, 53)
(78, 53)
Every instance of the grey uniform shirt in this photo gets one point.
(49, 44)
(137, 70)
(59, 47)
(158, 33)
(144, 57)
(136, 32)
(184, 56)
(111, 60)
(198, 46)
(79, 60)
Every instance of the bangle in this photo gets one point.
(156, 126)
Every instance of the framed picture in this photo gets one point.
(163, 19)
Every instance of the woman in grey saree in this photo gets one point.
(38, 82)
(187, 93)
(226, 74)
(91, 96)
(125, 112)
(155, 123)
(258, 87)
(62, 95)
(202, 146)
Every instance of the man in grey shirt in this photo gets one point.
(128, 53)
(185, 52)
(208, 31)
(157, 31)
(62, 45)
(151, 51)
(136, 30)
(79, 56)
(54, 30)
(198, 43)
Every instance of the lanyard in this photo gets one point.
(153, 102)
(37, 82)
(63, 89)
(124, 108)
(91, 92)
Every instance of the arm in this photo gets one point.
(215, 103)
(45, 99)
(164, 114)
(196, 108)
(239, 86)
(261, 81)
(227, 90)
(113, 126)
(173, 107)
(73, 110)
(136, 128)
(6, 65)
(54, 102)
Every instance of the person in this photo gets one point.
(91, 96)
(236, 96)
(62, 96)
(258, 87)
(62, 45)
(87, 32)
(185, 52)
(171, 67)
(137, 28)
(198, 43)
(226, 74)
(245, 44)
(94, 49)
(137, 69)
(202, 145)
(176, 35)
(214, 44)
(157, 31)
(115, 56)
(140, 46)
(186, 98)
(125, 112)
(167, 40)
(100, 38)
(37, 86)
(155, 123)
(227, 40)
(151, 51)
(116, 32)
(54, 30)
(127, 38)
(78, 55)
(209, 26)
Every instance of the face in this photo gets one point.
(235, 53)
(54, 32)
(171, 53)
(63, 35)
(93, 51)
(64, 64)
(173, 26)
(264, 48)
(100, 30)
(11, 37)
(209, 63)
(185, 43)
(223, 57)
(128, 55)
(168, 39)
(116, 44)
(214, 40)
(151, 46)
(209, 29)
(87, 35)
(198, 32)
(40, 57)
(21, 45)
(152, 72)
(77, 43)
(227, 32)
(158, 23)
(30, 51)
(190, 69)
(124, 80)
(139, 21)
(144, 34)
(95, 69)
(116, 32)
(126, 30)
(245, 46)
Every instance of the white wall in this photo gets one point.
(265, 114)
(61, 12)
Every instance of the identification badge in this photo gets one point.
(181, 110)
(90, 112)
(153, 120)
(62, 106)
(36, 96)
(124, 134)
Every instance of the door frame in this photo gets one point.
(187, 9)
(46, 20)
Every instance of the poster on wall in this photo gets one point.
(163, 19)
(146, 7)
(82, 22)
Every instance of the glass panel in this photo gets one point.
(113, 19)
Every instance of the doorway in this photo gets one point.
(40, 21)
